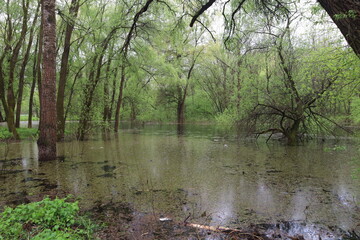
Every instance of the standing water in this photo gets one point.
(312, 190)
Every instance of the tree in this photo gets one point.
(9, 58)
(344, 13)
(70, 24)
(47, 137)
(346, 16)
(291, 95)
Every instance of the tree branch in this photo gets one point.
(201, 11)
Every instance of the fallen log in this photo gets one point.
(222, 230)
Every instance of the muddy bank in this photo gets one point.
(122, 222)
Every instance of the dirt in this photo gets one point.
(122, 222)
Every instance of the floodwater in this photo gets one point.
(218, 179)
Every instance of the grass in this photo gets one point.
(25, 118)
(24, 133)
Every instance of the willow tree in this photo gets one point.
(47, 137)
(344, 13)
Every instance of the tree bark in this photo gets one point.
(349, 25)
(74, 8)
(47, 138)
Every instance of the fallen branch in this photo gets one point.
(221, 229)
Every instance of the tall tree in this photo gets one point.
(73, 11)
(47, 138)
(125, 50)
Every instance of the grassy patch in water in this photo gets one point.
(24, 133)
(46, 219)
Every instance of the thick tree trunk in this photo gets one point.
(47, 138)
(292, 134)
(346, 15)
(74, 7)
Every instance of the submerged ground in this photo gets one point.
(206, 176)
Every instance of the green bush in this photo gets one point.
(46, 219)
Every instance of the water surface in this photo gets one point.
(218, 179)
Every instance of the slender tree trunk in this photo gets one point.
(106, 88)
(1, 117)
(74, 8)
(120, 98)
(346, 16)
(181, 105)
(23, 67)
(72, 90)
(10, 95)
(112, 101)
(32, 90)
(47, 138)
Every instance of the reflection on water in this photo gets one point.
(202, 171)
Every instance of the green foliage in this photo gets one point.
(335, 148)
(355, 110)
(46, 219)
(4, 133)
(25, 133)
(350, 14)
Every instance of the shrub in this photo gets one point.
(46, 219)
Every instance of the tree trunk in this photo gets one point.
(346, 16)
(292, 133)
(1, 117)
(106, 89)
(74, 7)
(47, 138)
(112, 101)
(120, 98)
(181, 106)
(23, 67)
(33, 84)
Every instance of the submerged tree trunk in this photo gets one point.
(346, 15)
(292, 134)
(47, 138)
(74, 8)
(181, 105)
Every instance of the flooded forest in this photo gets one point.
(173, 119)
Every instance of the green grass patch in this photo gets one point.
(46, 219)
(24, 133)
(26, 118)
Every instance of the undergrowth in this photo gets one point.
(46, 219)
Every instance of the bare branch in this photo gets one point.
(201, 11)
